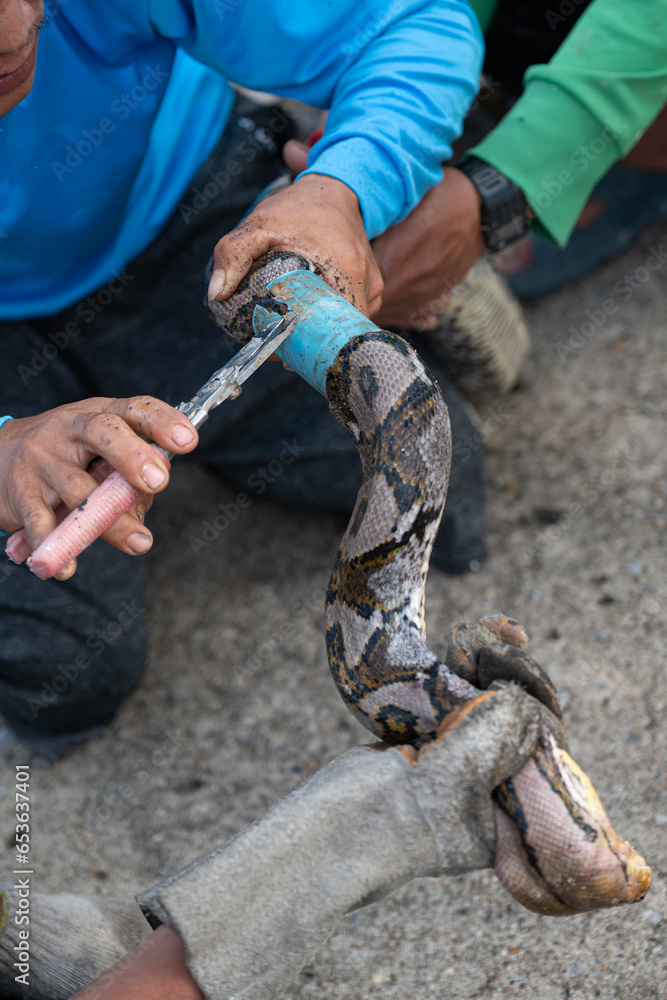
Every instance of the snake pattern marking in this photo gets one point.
(556, 850)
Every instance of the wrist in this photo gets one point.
(505, 214)
(331, 188)
(3, 420)
(459, 190)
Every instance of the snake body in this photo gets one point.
(556, 850)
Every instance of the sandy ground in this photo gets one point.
(237, 705)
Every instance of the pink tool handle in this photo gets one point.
(18, 547)
(79, 529)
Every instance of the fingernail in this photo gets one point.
(153, 475)
(139, 543)
(182, 435)
(66, 571)
(216, 284)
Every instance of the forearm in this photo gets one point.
(398, 107)
(398, 79)
(583, 111)
(154, 970)
(3, 420)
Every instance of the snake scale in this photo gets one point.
(556, 851)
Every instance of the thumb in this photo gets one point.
(38, 520)
(295, 155)
(38, 523)
(233, 258)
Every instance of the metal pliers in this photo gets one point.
(226, 382)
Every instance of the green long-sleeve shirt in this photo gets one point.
(582, 111)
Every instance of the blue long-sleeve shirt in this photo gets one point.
(131, 96)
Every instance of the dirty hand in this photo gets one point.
(43, 461)
(318, 217)
(256, 909)
(425, 255)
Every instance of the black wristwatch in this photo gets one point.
(506, 215)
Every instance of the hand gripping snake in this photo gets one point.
(556, 851)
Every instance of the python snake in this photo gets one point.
(556, 850)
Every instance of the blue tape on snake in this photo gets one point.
(326, 322)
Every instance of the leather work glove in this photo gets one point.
(254, 911)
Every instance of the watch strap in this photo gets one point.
(505, 213)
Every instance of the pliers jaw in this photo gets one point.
(226, 382)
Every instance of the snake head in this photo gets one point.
(556, 850)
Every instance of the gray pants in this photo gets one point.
(70, 653)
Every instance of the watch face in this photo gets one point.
(507, 233)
